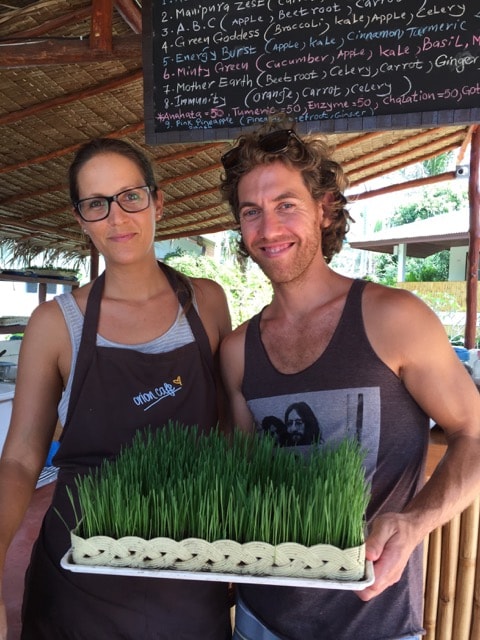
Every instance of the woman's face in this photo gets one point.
(121, 237)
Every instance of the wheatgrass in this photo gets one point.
(175, 482)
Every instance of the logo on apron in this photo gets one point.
(148, 399)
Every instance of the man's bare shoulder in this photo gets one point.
(400, 326)
(233, 343)
(391, 302)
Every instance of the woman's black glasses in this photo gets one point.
(273, 142)
(98, 208)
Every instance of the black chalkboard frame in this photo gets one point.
(407, 120)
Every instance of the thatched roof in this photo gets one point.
(57, 92)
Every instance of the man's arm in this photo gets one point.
(410, 339)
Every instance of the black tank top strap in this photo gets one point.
(354, 296)
(350, 324)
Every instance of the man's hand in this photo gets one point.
(389, 545)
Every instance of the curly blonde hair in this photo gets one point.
(310, 155)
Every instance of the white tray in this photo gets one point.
(66, 563)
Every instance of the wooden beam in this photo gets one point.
(50, 51)
(189, 229)
(69, 98)
(18, 197)
(191, 151)
(364, 137)
(47, 214)
(400, 144)
(37, 229)
(191, 174)
(133, 128)
(197, 212)
(407, 162)
(130, 13)
(101, 27)
(467, 140)
(474, 241)
(409, 184)
(190, 196)
(51, 25)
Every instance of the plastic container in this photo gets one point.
(7, 391)
(8, 371)
(462, 353)
(476, 372)
(464, 356)
(473, 356)
(52, 451)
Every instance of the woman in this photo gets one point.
(86, 358)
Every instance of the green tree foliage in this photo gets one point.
(430, 203)
(247, 289)
(431, 269)
(431, 167)
(386, 269)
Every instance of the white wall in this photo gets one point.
(12, 349)
(458, 262)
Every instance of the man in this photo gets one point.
(372, 362)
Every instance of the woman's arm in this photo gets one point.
(214, 312)
(232, 359)
(34, 416)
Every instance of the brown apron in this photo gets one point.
(115, 392)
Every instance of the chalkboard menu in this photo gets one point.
(213, 68)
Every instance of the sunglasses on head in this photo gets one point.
(273, 142)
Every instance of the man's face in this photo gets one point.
(295, 426)
(280, 222)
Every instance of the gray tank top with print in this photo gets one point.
(349, 391)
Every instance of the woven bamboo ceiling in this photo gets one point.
(68, 73)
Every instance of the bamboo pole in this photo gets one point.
(426, 551)
(432, 580)
(474, 241)
(448, 578)
(475, 630)
(467, 559)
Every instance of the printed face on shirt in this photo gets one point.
(295, 427)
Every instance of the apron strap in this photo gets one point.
(88, 341)
(185, 298)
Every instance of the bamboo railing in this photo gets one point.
(452, 578)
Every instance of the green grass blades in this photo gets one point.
(178, 483)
